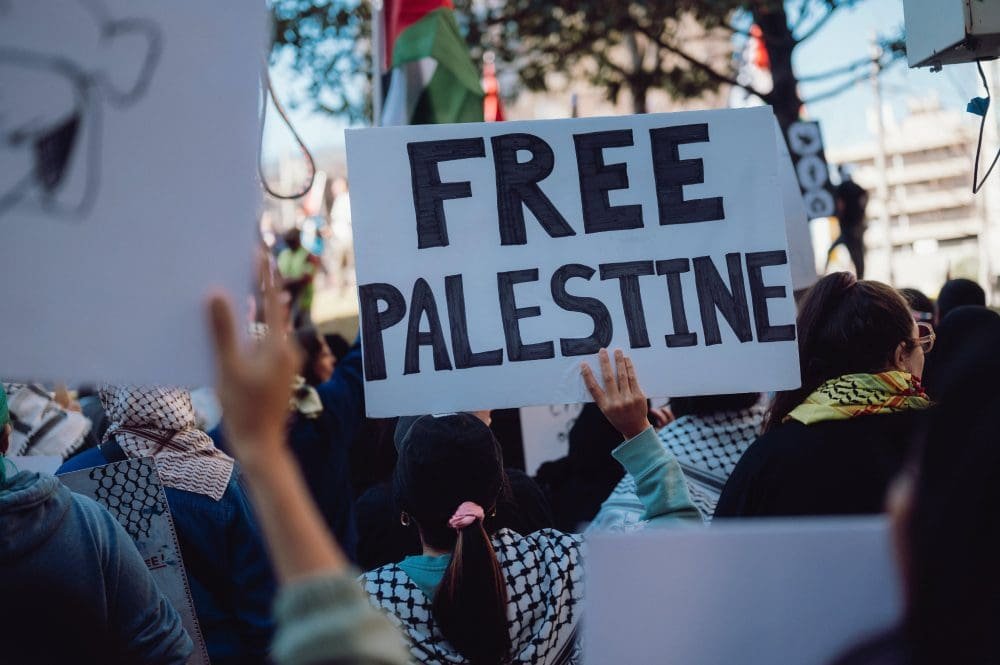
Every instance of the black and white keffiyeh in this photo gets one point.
(707, 449)
(160, 423)
(544, 589)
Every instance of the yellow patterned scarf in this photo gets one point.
(855, 395)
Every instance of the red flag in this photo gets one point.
(492, 108)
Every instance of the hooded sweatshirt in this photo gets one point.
(75, 589)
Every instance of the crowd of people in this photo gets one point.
(311, 534)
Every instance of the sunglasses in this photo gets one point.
(925, 336)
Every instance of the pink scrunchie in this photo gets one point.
(466, 514)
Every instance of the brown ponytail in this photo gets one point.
(470, 605)
(444, 462)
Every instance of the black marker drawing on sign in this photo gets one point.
(459, 324)
(422, 304)
(131, 494)
(759, 295)
(805, 145)
(429, 193)
(628, 274)
(517, 186)
(592, 307)
(374, 321)
(714, 296)
(673, 268)
(671, 173)
(517, 350)
(804, 138)
(597, 179)
(53, 98)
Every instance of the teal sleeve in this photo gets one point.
(329, 619)
(659, 479)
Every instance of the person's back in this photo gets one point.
(835, 467)
(75, 588)
(544, 578)
(832, 445)
(708, 436)
(852, 200)
(231, 582)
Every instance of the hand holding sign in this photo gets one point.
(621, 400)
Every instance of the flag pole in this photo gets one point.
(378, 54)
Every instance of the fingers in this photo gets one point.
(608, 378)
(275, 314)
(621, 371)
(633, 380)
(591, 382)
(223, 326)
(61, 395)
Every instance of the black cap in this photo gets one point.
(442, 428)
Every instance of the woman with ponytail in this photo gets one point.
(477, 594)
(487, 596)
(832, 446)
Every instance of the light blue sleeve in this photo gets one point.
(659, 479)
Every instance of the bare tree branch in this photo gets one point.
(847, 85)
(734, 30)
(705, 67)
(837, 71)
(822, 21)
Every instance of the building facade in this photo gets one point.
(937, 227)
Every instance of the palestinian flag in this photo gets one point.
(431, 76)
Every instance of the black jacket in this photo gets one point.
(836, 467)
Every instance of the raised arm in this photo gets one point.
(658, 477)
(322, 614)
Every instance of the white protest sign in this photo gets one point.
(801, 256)
(493, 257)
(545, 433)
(127, 182)
(756, 593)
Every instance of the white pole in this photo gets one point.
(378, 64)
(880, 158)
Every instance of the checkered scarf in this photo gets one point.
(854, 395)
(706, 446)
(544, 576)
(160, 423)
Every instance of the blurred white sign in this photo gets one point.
(128, 184)
(794, 592)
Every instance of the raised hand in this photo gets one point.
(254, 385)
(620, 399)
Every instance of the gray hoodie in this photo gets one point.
(73, 587)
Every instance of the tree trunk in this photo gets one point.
(780, 43)
(638, 91)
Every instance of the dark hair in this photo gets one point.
(845, 326)
(917, 301)
(312, 345)
(445, 461)
(965, 362)
(958, 292)
(338, 345)
(704, 405)
(952, 539)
